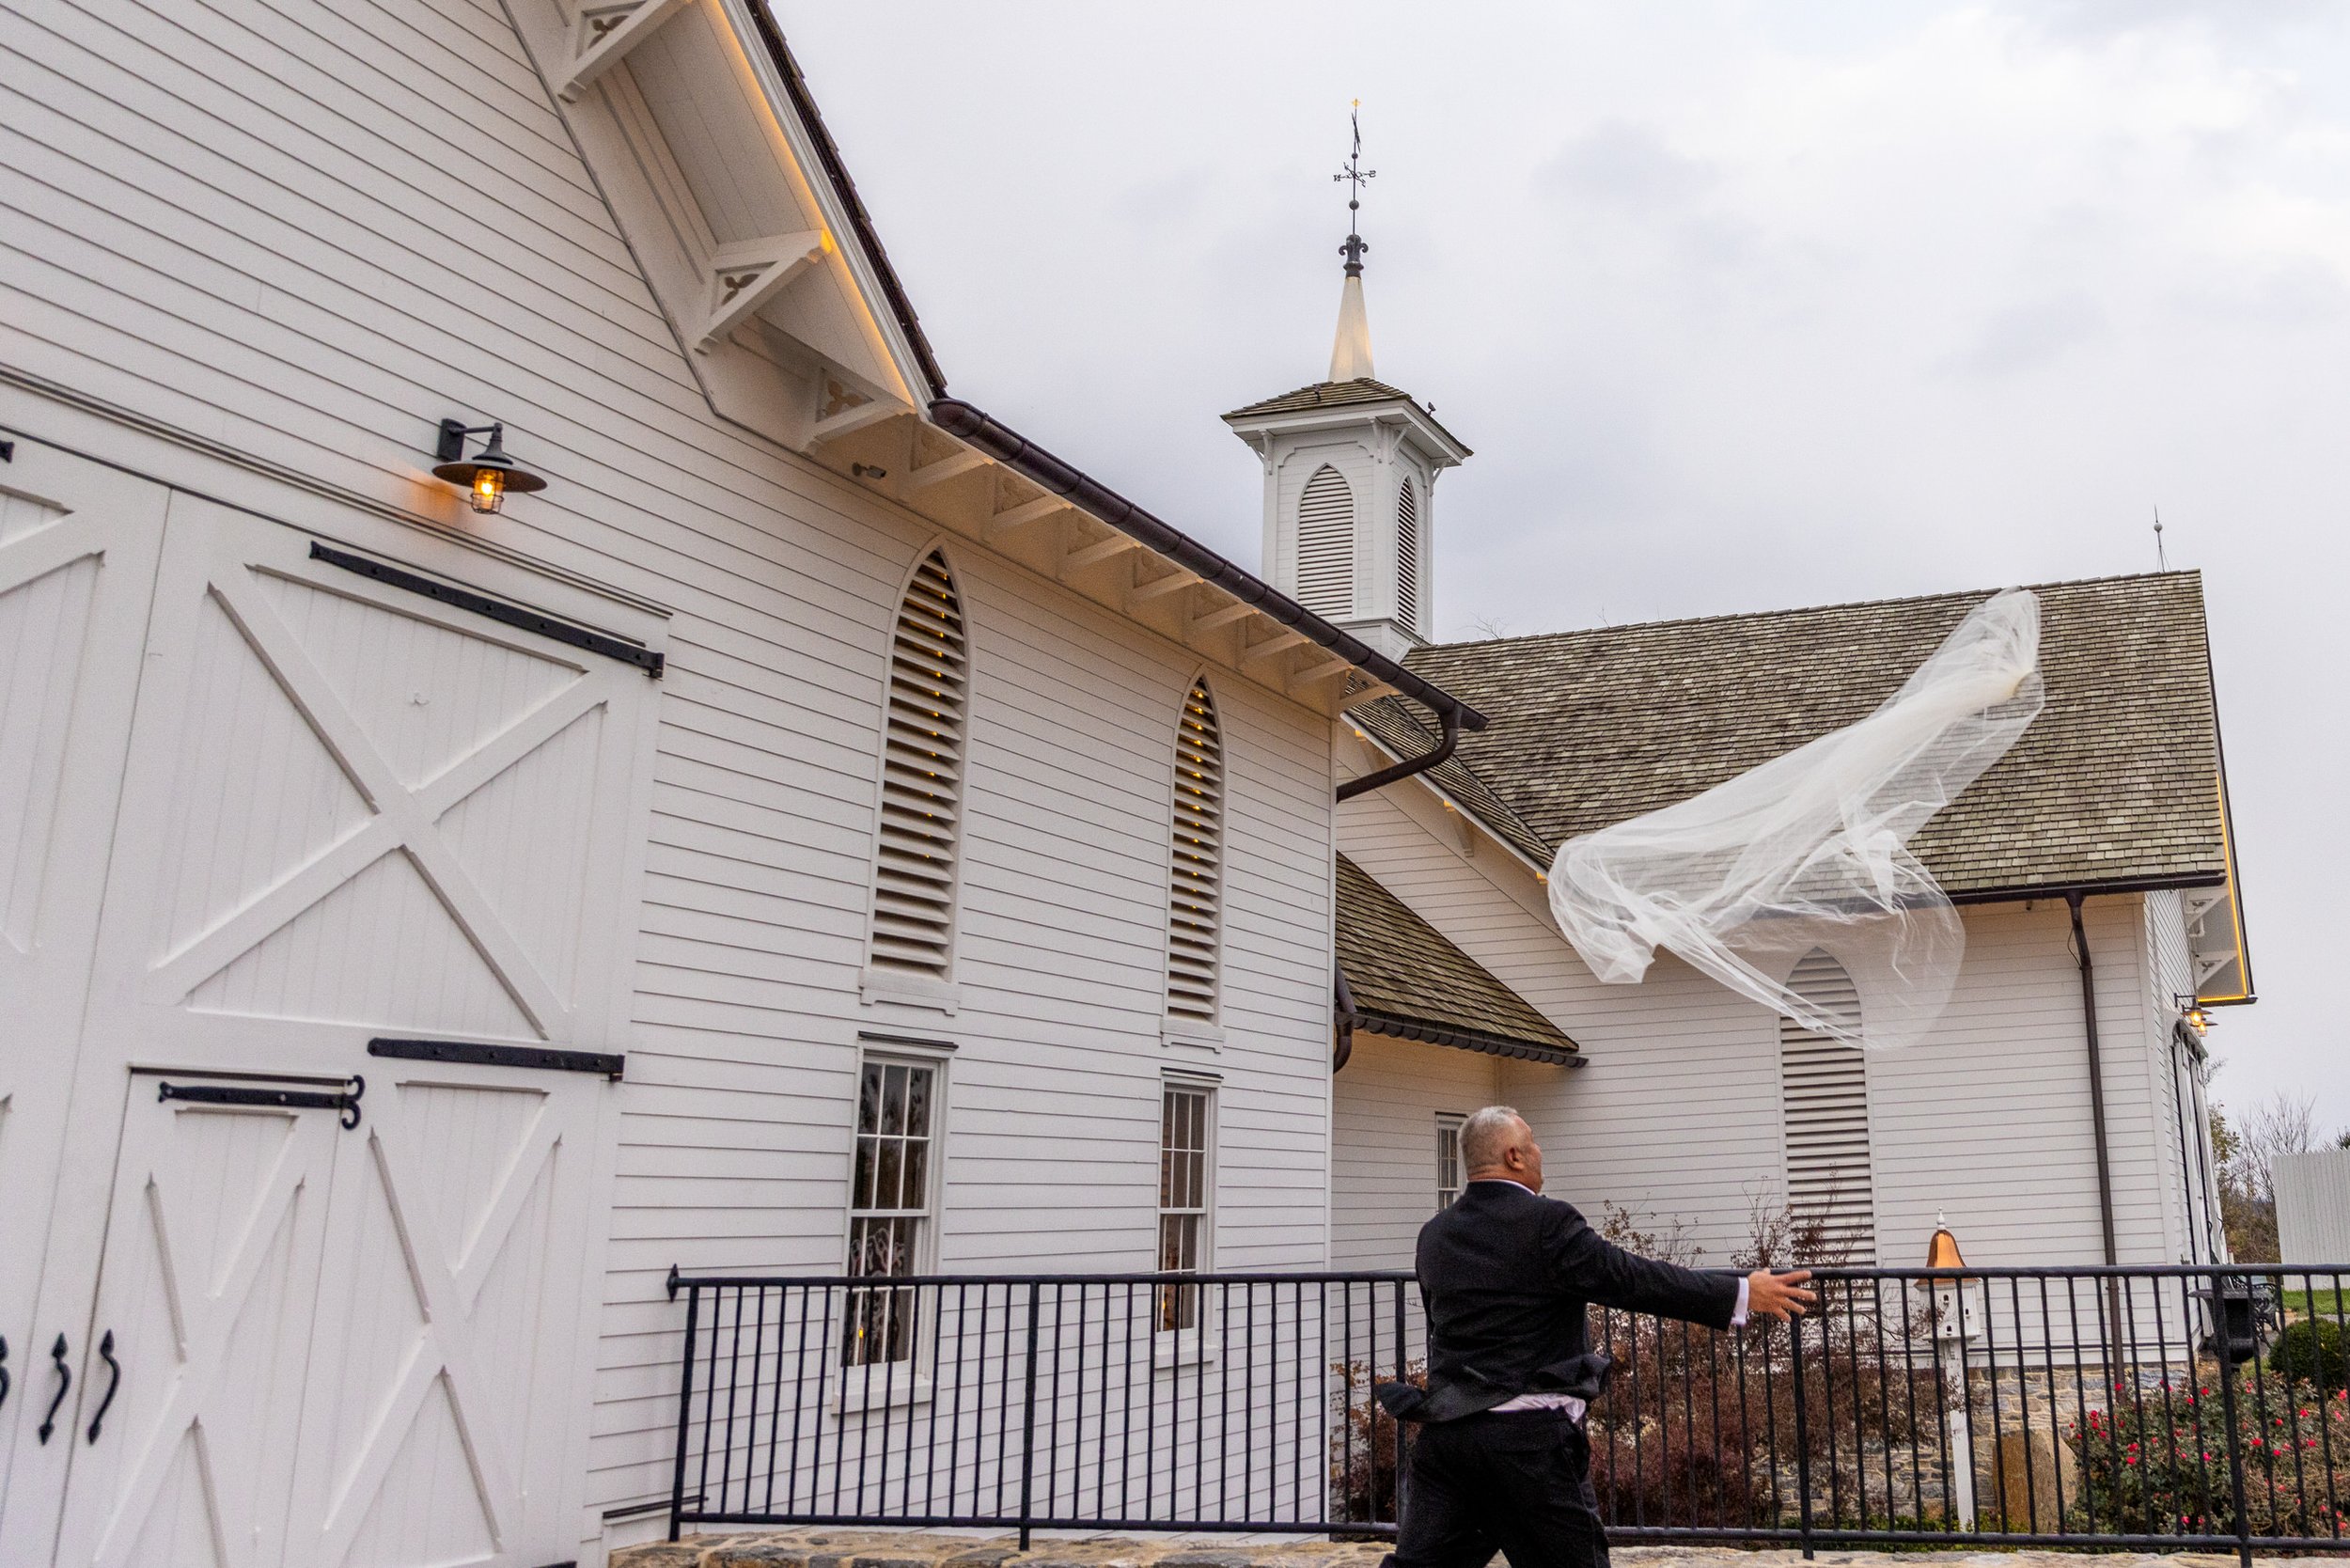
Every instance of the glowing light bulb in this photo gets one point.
(489, 490)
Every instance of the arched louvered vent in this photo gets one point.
(1407, 555)
(1826, 1084)
(1325, 545)
(913, 888)
(1195, 887)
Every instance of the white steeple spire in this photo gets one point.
(1350, 355)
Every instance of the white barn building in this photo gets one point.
(786, 840)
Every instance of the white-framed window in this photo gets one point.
(1186, 1179)
(1195, 895)
(1447, 1158)
(921, 788)
(891, 1184)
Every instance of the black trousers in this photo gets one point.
(1519, 1484)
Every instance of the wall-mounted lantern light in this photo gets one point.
(2193, 1014)
(490, 474)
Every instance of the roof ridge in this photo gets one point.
(1677, 622)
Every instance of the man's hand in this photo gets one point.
(1778, 1295)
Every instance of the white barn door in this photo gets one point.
(212, 1268)
(444, 1393)
(350, 1332)
(77, 562)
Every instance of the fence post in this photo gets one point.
(684, 1404)
(2235, 1432)
(1403, 1374)
(1028, 1420)
(1803, 1437)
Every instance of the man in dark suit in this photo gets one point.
(1500, 1461)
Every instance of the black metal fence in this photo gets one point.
(2187, 1407)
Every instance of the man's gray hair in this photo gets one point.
(1486, 1135)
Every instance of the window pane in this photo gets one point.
(894, 1100)
(916, 1193)
(1179, 1242)
(868, 1099)
(866, 1254)
(918, 1102)
(886, 1194)
(861, 1190)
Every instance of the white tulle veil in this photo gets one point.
(1810, 849)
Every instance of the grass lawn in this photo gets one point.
(2331, 1304)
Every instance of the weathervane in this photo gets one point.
(1355, 174)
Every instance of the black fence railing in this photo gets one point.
(2187, 1407)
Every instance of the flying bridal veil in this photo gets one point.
(1811, 849)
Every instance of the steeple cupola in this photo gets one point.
(1350, 474)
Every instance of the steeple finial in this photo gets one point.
(1355, 174)
(1350, 356)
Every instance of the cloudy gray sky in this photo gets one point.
(1741, 306)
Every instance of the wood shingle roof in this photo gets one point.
(1341, 394)
(2117, 782)
(1406, 979)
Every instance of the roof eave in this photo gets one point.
(876, 259)
(2057, 887)
(1395, 1026)
(1449, 449)
(990, 435)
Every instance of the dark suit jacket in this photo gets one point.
(1505, 1277)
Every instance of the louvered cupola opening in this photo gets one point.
(1325, 545)
(1407, 555)
(1826, 1084)
(1196, 885)
(913, 888)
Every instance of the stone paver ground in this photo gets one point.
(850, 1548)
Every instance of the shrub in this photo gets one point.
(1363, 1448)
(2312, 1352)
(2157, 1461)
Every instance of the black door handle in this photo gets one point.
(6, 1382)
(65, 1381)
(106, 1354)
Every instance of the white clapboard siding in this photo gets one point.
(315, 234)
(1325, 545)
(1383, 1155)
(1195, 880)
(914, 883)
(1824, 1087)
(1408, 553)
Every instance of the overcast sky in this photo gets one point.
(1741, 306)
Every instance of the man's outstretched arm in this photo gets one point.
(1599, 1270)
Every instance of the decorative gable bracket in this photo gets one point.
(603, 34)
(746, 275)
